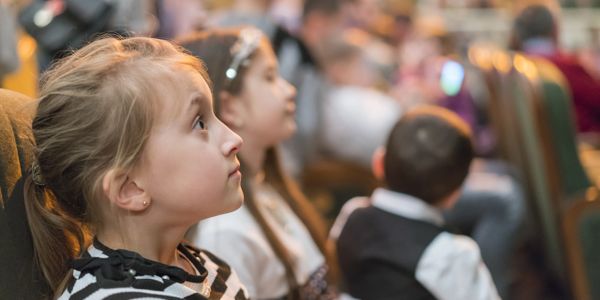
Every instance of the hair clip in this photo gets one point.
(36, 174)
(247, 42)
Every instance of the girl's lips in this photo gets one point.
(235, 171)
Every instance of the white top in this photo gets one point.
(352, 114)
(238, 239)
(451, 266)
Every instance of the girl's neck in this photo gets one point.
(253, 156)
(152, 243)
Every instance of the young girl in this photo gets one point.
(129, 152)
(275, 241)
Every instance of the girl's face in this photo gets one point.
(268, 100)
(189, 165)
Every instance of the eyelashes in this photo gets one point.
(199, 123)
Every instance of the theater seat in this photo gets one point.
(19, 277)
(581, 226)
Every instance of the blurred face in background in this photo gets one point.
(363, 13)
(184, 16)
(267, 100)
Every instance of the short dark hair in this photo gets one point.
(327, 7)
(428, 154)
(535, 21)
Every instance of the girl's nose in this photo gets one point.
(233, 142)
(289, 89)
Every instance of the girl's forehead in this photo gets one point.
(178, 89)
(266, 49)
(264, 55)
(185, 80)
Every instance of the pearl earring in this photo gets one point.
(145, 203)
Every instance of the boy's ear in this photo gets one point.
(232, 110)
(377, 163)
(449, 201)
(122, 191)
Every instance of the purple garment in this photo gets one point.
(463, 105)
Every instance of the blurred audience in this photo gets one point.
(9, 58)
(61, 26)
(535, 32)
(353, 110)
(179, 17)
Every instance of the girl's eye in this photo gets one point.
(199, 124)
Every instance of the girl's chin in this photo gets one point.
(235, 204)
(291, 129)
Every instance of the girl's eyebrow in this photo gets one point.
(196, 102)
(193, 106)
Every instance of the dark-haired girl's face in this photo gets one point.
(269, 100)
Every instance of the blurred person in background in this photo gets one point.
(9, 58)
(179, 17)
(430, 73)
(353, 102)
(590, 56)
(299, 63)
(246, 12)
(395, 244)
(45, 18)
(276, 241)
(491, 208)
(287, 13)
(535, 32)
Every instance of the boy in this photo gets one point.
(393, 245)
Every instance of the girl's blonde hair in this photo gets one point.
(95, 113)
(212, 47)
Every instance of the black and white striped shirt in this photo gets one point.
(104, 273)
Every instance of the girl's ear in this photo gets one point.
(232, 110)
(377, 163)
(123, 192)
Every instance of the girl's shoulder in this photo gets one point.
(222, 279)
(103, 273)
(204, 256)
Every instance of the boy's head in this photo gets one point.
(535, 21)
(427, 155)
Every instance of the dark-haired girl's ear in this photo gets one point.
(123, 192)
(232, 110)
(377, 163)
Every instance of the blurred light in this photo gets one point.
(480, 57)
(471, 54)
(525, 66)
(26, 47)
(501, 62)
(452, 77)
(591, 194)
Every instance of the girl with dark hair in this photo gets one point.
(276, 241)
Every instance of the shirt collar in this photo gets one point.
(406, 206)
(122, 264)
(539, 46)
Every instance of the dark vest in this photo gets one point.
(379, 251)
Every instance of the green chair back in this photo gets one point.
(559, 119)
(582, 239)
